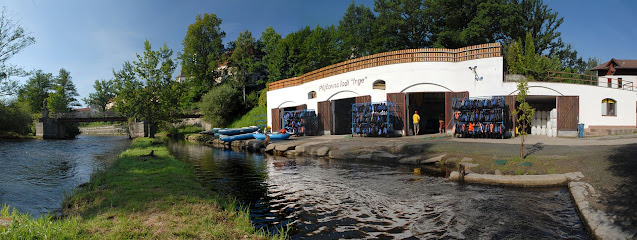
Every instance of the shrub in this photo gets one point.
(220, 105)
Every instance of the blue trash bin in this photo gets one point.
(580, 130)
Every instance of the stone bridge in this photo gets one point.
(52, 126)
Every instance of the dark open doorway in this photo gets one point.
(430, 107)
(342, 115)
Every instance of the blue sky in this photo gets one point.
(91, 38)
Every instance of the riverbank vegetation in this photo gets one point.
(146, 194)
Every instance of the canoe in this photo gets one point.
(211, 131)
(273, 136)
(236, 137)
(235, 131)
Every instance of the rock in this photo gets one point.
(300, 149)
(466, 159)
(383, 156)
(270, 148)
(284, 147)
(410, 160)
(254, 144)
(340, 154)
(291, 153)
(468, 165)
(322, 152)
(364, 157)
(434, 159)
(497, 172)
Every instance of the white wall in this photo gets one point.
(629, 82)
(453, 77)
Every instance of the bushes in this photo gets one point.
(220, 105)
(15, 117)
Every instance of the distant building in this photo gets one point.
(617, 73)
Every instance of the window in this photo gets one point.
(311, 95)
(608, 107)
(610, 83)
(379, 84)
(619, 83)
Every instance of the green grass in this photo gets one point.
(141, 197)
(248, 118)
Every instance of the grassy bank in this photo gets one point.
(140, 196)
(249, 118)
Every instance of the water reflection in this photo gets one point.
(326, 199)
(35, 174)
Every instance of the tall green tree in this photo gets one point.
(202, 53)
(244, 62)
(145, 89)
(401, 24)
(355, 30)
(269, 42)
(36, 90)
(13, 39)
(64, 92)
(104, 92)
(322, 47)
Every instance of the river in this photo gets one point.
(327, 199)
(36, 174)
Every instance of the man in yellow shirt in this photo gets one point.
(416, 118)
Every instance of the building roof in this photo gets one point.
(618, 63)
(83, 109)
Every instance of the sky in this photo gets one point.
(91, 38)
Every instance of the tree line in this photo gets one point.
(224, 81)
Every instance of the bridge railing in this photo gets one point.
(81, 115)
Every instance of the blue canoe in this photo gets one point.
(236, 137)
(235, 131)
(212, 131)
(273, 136)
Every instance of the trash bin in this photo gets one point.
(580, 130)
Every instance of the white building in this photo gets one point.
(426, 80)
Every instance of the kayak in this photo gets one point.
(235, 131)
(211, 131)
(236, 137)
(273, 136)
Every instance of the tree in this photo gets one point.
(268, 42)
(104, 92)
(244, 64)
(401, 24)
(524, 113)
(355, 31)
(12, 40)
(219, 105)
(145, 89)
(322, 47)
(36, 90)
(63, 97)
(527, 62)
(203, 49)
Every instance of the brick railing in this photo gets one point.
(402, 56)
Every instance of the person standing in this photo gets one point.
(441, 123)
(416, 119)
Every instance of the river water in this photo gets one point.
(35, 175)
(327, 199)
